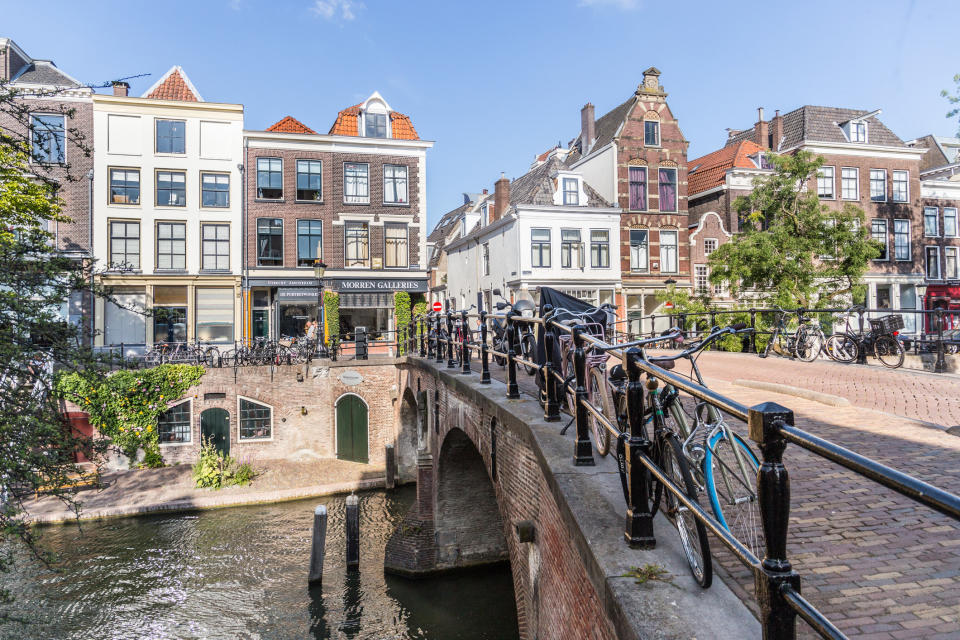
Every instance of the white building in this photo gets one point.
(167, 214)
(546, 228)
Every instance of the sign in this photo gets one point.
(299, 293)
(668, 305)
(378, 284)
(350, 377)
(283, 282)
(438, 306)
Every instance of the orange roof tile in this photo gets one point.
(709, 171)
(348, 124)
(174, 86)
(402, 127)
(290, 125)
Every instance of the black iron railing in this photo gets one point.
(449, 338)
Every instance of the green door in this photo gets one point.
(352, 429)
(215, 426)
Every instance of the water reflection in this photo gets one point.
(242, 573)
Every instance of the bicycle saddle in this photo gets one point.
(617, 374)
(664, 362)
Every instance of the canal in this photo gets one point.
(242, 573)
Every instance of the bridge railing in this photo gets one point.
(449, 338)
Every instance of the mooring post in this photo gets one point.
(353, 532)
(583, 453)
(390, 462)
(319, 544)
(777, 618)
(639, 526)
(484, 350)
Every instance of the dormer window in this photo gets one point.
(858, 132)
(376, 125)
(571, 192)
(485, 215)
(761, 161)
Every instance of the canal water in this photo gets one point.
(241, 573)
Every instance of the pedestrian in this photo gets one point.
(311, 328)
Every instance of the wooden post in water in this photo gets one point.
(390, 459)
(353, 532)
(319, 544)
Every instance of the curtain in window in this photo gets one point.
(215, 314)
(668, 251)
(668, 189)
(638, 188)
(396, 245)
(357, 240)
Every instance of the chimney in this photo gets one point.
(121, 88)
(587, 128)
(485, 192)
(501, 197)
(761, 131)
(776, 130)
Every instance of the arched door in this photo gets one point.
(215, 426)
(352, 429)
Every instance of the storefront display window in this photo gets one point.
(294, 317)
(215, 314)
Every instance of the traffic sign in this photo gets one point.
(437, 306)
(668, 305)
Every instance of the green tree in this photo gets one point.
(792, 250)
(953, 99)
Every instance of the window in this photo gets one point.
(826, 177)
(269, 178)
(173, 425)
(668, 251)
(883, 296)
(172, 245)
(639, 249)
(485, 215)
(169, 314)
(540, 247)
(638, 188)
(171, 136)
(356, 183)
(858, 132)
(48, 135)
(124, 186)
(901, 184)
(849, 183)
(395, 184)
(376, 125)
(878, 185)
(256, 420)
(950, 263)
(950, 222)
(668, 189)
(569, 248)
(486, 259)
(901, 239)
(651, 133)
(215, 190)
(709, 246)
(395, 250)
(216, 247)
(309, 180)
(171, 189)
(125, 245)
(125, 318)
(878, 231)
(215, 314)
(933, 263)
(931, 226)
(701, 279)
(571, 194)
(309, 242)
(269, 242)
(600, 249)
(357, 236)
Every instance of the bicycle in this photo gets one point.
(845, 346)
(524, 336)
(809, 339)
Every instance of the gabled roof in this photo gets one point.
(290, 124)
(822, 124)
(44, 72)
(606, 128)
(536, 186)
(446, 222)
(709, 171)
(941, 151)
(174, 85)
(348, 124)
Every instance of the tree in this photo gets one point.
(953, 99)
(794, 251)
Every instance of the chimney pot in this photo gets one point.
(121, 88)
(485, 192)
(587, 128)
(761, 131)
(501, 197)
(760, 114)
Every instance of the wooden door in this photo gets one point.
(215, 426)
(352, 429)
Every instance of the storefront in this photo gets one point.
(946, 297)
(369, 302)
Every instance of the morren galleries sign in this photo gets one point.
(377, 284)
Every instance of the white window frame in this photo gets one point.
(485, 255)
(893, 195)
(909, 240)
(156, 137)
(714, 241)
(855, 127)
(936, 222)
(645, 268)
(701, 271)
(217, 243)
(367, 262)
(572, 194)
(676, 250)
(600, 245)
(396, 180)
(926, 265)
(956, 222)
(359, 199)
(186, 442)
(822, 179)
(856, 174)
(884, 173)
(886, 238)
(955, 251)
(240, 420)
(33, 159)
(659, 132)
(548, 242)
(576, 249)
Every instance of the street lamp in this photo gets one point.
(319, 267)
(669, 281)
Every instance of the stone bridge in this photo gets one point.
(496, 483)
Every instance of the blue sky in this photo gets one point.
(495, 83)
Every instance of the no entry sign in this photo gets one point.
(437, 306)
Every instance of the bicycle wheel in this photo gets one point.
(211, 357)
(732, 489)
(567, 369)
(693, 535)
(841, 347)
(599, 395)
(808, 345)
(528, 349)
(888, 351)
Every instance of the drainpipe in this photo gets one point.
(243, 242)
(93, 304)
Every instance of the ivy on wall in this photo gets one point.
(125, 405)
(331, 310)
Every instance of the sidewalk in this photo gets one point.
(140, 491)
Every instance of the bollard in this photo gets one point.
(451, 361)
(484, 350)
(465, 343)
(390, 462)
(353, 532)
(583, 453)
(639, 526)
(319, 544)
(513, 390)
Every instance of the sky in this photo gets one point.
(495, 83)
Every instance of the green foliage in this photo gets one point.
(953, 99)
(793, 251)
(214, 470)
(125, 405)
(331, 308)
(649, 573)
(401, 313)
(420, 308)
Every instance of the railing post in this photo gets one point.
(551, 405)
(484, 350)
(753, 334)
(713, 319)
(513, 391)
(861, 352)
(777, 618)
(430, 339)
(941, 364)
(421, 331)
(653, 325)
(451, 362)
(465, 344)
(441, 346)
(583, 453)
(639, 526)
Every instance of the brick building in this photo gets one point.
(636, 157)
(353, 198)
(452, 225)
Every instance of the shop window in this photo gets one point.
(125, 318)
(215, 314)
(173, 425)
(256, 420)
